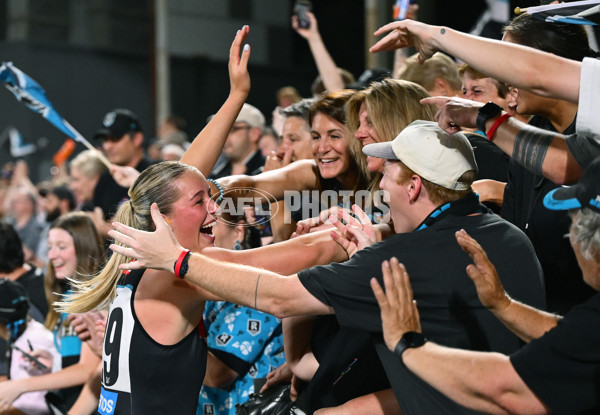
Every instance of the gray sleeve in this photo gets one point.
(583, 148)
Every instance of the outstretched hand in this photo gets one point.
(356, 233)
(239, 78)
(407, 33)
(125, 176)
(282, 374)
(454, 112)
(317, 223)
(399, 313)
(90, 328)
(9, 392)
(42, 356)
(274, 162)
(484, 275)
(159, 249)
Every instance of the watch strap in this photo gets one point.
(486, 112)
(410, 339)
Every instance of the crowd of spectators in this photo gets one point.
(394, 244)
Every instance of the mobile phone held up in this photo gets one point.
(300, 9)
(39, 364)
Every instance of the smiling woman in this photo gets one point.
(338, 165)
(154, 344)
(75, 252)
(337, 154)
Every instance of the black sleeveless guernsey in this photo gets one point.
(141, 376)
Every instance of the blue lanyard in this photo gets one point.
(461, 207)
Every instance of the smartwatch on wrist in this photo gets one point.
(489, 110)
(410, 339)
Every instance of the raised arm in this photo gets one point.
(264, 290)
(206, 147)
(73, 375)
(483, 381)
(287, 257)
(526, 322)
(523, 67)
(332, 79)
(271, 185)
(542, 152)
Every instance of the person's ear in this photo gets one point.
(415, 186)
(64, 206)
(138, 139)
(240, 231)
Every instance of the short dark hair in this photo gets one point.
(562, 39)
(11, 249)
(299, 109)
(64, 193)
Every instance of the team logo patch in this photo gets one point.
(109, 119)
(208, 409)
(108, 402)
(253, 327)
(223, 339)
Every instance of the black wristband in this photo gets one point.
(489, 110)
(410, 339)
(180, 267)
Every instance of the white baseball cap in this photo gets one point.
(251, 115)
(429, 151)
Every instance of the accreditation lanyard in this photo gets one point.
(464, 206)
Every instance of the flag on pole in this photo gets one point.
(586, 12)
(30, 93)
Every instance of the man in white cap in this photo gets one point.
(557, 371)
(241, 147)
(427, 177)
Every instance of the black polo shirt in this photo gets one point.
(108, 195)
(451, 313)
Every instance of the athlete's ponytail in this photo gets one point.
(155, 184)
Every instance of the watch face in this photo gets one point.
(490, 109)
(486, 112)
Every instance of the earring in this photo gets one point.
(238, 245)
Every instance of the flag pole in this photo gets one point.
(85, 142)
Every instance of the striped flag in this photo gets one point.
(30, 93)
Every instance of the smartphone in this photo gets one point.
(39, 364)
(300, 9)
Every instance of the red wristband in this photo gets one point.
(490, 133)
(177, 266)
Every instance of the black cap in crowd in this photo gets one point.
(117, 123)
(13, 301)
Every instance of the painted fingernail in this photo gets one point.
(246, 46)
